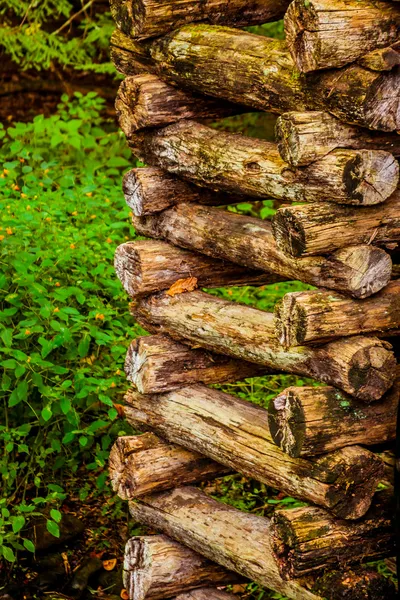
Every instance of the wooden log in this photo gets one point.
(207, 594)
(332, 33)
(148, 266)
(159, 364)
(143, 19)
(129, 57)
(203, 58)
(355, 584)
(236, 434)
(317, 316)
(304, 137)
(143, 464)
(361, 366)
(157, 567)
(243, 165)
(150, 190)
(309, 539)
(146, 101)
(384, 59)
(307, 421)
(239, 541)
(324, 227)
(356, 270)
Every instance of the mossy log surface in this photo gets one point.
(356, 270)
(236, 434)
(307, 421)
(260, 73)
(384, 59)
(143, 19)
(146, 101)
(157, 363)
(242, 165)
(355, 584)
(362, 366)
(144, 464)
(309, 539)
(239, 541)
(308, 230)
(304, 137)
(332, 33)
(150, 190)
(317, 316)
(148, 266)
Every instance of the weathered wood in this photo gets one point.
(148, 266)
(157, 363)
(236, 433)
(320, 228)
(151, 190)
(355, 584)
(307, 421)
(317, 316)
(207, 594)
(146, 101)
(384, 59)
(361, 366)
(309, 539)
(331, 33)
(304, 137)
(203, 58)
(237, 540)
(356, 270)
(129, 57)
(143, 464)
(157, 567)
(143, 19)
(249, 166)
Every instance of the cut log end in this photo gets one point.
(382, 105)
(287, 422)
(370, 177)
(288, 140)
(303, 43)
(372, 268)
(289, 233)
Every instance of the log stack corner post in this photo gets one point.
(334, 174)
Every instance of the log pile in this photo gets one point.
(333, 172)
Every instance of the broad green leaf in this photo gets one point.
(53, 528)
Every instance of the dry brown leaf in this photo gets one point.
(182, 285)
(120, 410)
(110, 564)
(124, 594)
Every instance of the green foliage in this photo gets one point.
(64, 324)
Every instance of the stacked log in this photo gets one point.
(334, 84)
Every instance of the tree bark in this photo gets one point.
(319, 316)
(361, 366)
(243, 165)
(324, 227)
(355, 584)
(356, 270)
(236, 434)
(239, 541)
(203, 58)
(143, 464)
(332, 33)
(146, 101)
(157, 567)
(309, 539)
(143, 19)
(159, 364)
(384, 59)
(129, 57)
(207, 594)
(307, 421)
(151, 190)
(148, 266)
(304, 137)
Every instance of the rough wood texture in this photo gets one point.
(331, 33)
(157, 567)
(238, 541)
(148, 266)
(309, 539)
(146, 101)
(143, 464)
(384, 59)
(355, 584)
(203, 58)
(236, 433)
(149, 18)
(356, 270)
(159, 364)
(320, 228)
(150, 190)
(361, 366)
(207, 594)
(304, 137)
(317, 316)
(249, 166)
(129, 57)
(307, 421)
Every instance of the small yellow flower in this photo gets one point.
(28, 207)
(93, 216)
(56, 310)
(118, 372)
(28, 360)
(46, 170)
(24, 195)
(27, 332)
(72, 246)
(16, 187)
(107, 200)
(108, 240)
(21, 160)
(112, 384)
(74, 213)
(57, 284)
(47, 219)
(99, 317)
(9, 230)
(2, 237)
(89, 194)
(41, 183)
(5, 171)
(126, 237)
